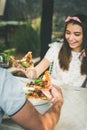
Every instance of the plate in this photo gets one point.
(38, 102)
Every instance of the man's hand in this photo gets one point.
(54, 94)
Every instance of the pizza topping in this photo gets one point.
(25, 64)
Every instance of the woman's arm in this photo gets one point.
(37, 70)
(29, 118)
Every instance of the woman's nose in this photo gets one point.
(71, 37)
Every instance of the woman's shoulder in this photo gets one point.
(56, 44)
(53, 50)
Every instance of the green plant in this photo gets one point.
(26, 39)
(2, 47)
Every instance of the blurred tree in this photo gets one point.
(62, 9)
(46, 25)
(22, 9)
(15, 10)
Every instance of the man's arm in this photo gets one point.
(29, 118)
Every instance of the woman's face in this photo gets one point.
(74, 36)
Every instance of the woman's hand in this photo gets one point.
(31, 73)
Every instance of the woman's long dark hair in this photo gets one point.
(65, 52)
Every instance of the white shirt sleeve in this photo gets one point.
(52, 52)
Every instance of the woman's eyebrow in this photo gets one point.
(74, 31)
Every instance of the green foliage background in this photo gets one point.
(25, 39)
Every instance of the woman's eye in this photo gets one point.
(77, 34)
(67, 32)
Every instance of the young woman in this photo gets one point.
(69, 58)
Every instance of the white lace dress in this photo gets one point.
(72, 77)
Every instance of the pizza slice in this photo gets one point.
(36, 88)
(25, 62)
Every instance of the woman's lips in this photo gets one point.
(73, 44)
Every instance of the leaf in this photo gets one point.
(25, 64)
(38, 82)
